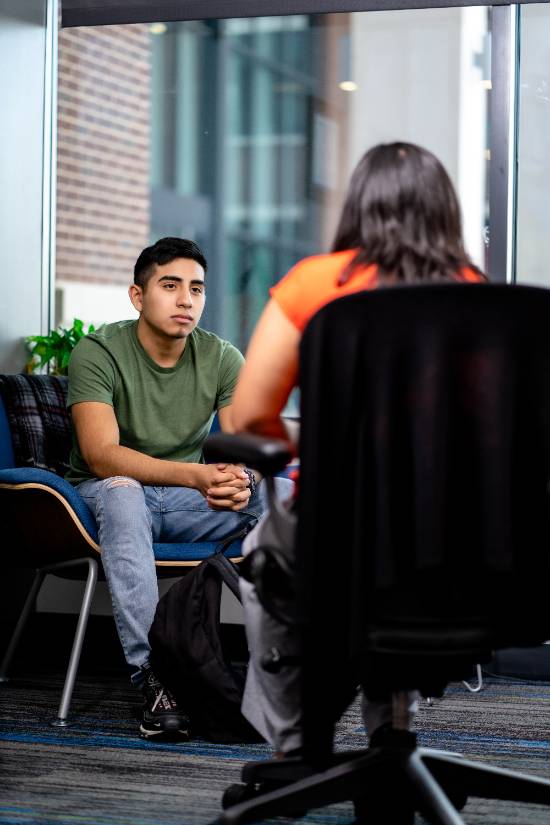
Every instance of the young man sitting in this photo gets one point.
(143, 395)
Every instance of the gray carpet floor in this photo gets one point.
(100, 772)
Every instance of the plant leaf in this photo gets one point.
(55, 349)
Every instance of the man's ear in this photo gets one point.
(136, 296)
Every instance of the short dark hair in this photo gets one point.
(401, 213)
(162, 252)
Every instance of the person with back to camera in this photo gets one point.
(400, 224)
(142, 396)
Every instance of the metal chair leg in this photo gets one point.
(435, 801)
(91, 581)
(479, 685)
(21, 622)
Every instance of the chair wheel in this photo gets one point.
(237, 793)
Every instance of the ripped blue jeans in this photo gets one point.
(130, 517)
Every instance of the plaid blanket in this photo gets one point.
(39, 421)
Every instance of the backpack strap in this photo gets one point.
(226, 569)
(227, 572)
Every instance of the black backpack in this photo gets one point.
(187, 653)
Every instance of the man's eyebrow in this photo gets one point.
(180, 279)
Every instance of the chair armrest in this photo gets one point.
(267, 455)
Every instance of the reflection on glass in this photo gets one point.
(533, 216)
(242, 134)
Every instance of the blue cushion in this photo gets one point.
(6, 448)
(193, 551)
(186, 551)
(215, 428)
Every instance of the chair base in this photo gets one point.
(60, 723)
(388, 783)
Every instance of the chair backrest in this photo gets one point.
(38, 421)
(7, 458)
(424, 519)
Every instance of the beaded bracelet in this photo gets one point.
(251, 481)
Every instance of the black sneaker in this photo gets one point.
(161, 715)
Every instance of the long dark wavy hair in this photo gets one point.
(402, 214)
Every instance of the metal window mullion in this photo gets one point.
(503, 142)
(217, 184)
(49, 167)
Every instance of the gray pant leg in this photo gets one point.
(378, 712)
(272, 701)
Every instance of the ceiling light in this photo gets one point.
(158, 28)
(348, 86)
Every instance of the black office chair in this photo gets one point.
(431, 407)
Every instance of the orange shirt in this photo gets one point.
(313, 282)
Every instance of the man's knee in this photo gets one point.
(121, 488)
(121, 501)
(120, 481)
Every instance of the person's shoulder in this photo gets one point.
(102, 345)
(108, 333)
(206, 341)
(330, 263)
(221, 356)
(205, 338)
(472, 275)
(108, 337)
(310, 280)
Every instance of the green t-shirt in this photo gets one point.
(164, 412)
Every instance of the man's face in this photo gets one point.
(172, 302)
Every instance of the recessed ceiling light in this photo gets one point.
(158, 28)
(348, 86)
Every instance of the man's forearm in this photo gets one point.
(123, 461)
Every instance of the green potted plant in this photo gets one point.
(55, 349)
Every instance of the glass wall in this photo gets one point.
(23, 157)
(533, 214)
(242, 134)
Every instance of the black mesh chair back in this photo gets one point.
(423, 537)
(424, 519)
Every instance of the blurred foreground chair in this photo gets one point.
(431, 407)
(45, 522)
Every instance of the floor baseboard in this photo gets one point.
(522, 663)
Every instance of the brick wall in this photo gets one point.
(103, 152)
